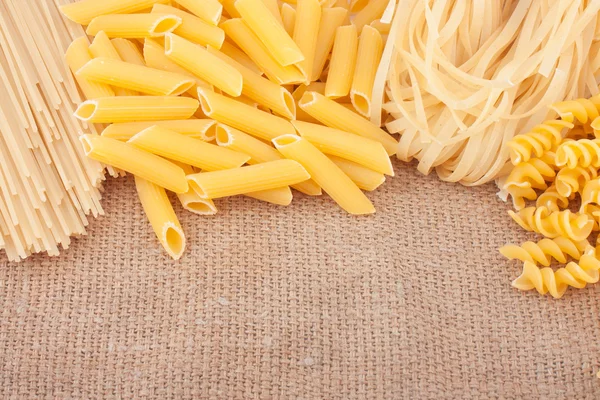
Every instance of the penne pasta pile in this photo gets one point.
(210, 99)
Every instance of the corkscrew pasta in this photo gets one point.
(540, 139)
(545, 250)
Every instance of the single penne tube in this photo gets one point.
(331, 19)
(178, 147)
(325, 173)
(259, 151)
(238, 55)
(306, 32)
(161, 215)
(357, 5)
(381, 27)
(128, 51)
(134, 25)
(280, 196)
(203, 64)
(288, 16)
(343, 62)
(84, 11)
(77, 56)
(136, 77)
(365, 178)
(203, 129)
(372, 11)
(102, 47)
(361, 150)
(370, 48)
(193, 28)
(233, 182)
(208, 10)
(335, 115)
(154, 55)
(257, 16)
(250, 44)
(136, 108)
(135, 161)
(190, 200)
(261, 90)
(241, 116)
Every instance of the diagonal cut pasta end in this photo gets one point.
(173, 240)
(86, 110)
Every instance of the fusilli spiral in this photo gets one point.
(590, 196)
(540, 139)
(553, 224)
(582, 152)
(552, 200)
(570, 181)
(545, 250)
(530, 175)
(545, 280)
(582, 110)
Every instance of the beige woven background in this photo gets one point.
(302, 302)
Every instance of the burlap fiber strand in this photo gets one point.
(303, 302)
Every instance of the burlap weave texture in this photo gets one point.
(302, 302)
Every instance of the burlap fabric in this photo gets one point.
(303, 302)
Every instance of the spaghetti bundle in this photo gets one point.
(464, 77)
(47, 184)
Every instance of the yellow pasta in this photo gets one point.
(545, 250)
(331, 20)
(262, 90)
(203, 64)
(540, 139)
(288, 16)
(337, 116)
(365, 178)
(208, 10)
(175, 146)
(325, 173)
(257, 16)
(128, 51)
(77, 56)
(260, 152)
(85, 11)
(343, 62)
(203, 129)
(552, 200)
(554, 224)
(102, 47)
(273, 7)
(236, 54)
(583, 153)
(190, 200)
(306, 32)
(370, 48)
(580, 110)
(137, 162)
(237, 31)
(545, 280)
(161, 215)
(136, 108)
(134, 26)
(154, 55)
(243, 180)
(193, 28)
(590, 197)
(570, 181)
(366, 152)
(136, 77)
(280, 196)
(373, 10)
(243, 117)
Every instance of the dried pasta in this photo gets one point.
(134, 26)
(325, 173)
(140, 163)
(77, 55)
(343, 62)
(128, 51)
(542, 138)
(554, 224)
(370, 48)
(579, 110)
(193, 28)
(583, 153)
(306, 33)
(545, 250)
(203, 129)
(84, 11)
(136, 108)
(162, 217)
(208, 10)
